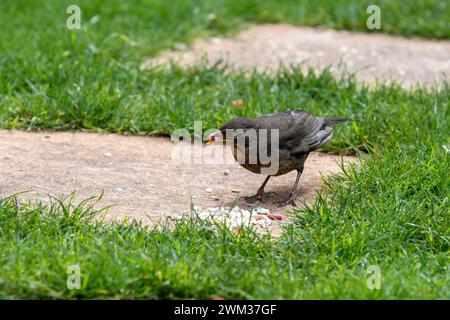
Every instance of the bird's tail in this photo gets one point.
(331, 121)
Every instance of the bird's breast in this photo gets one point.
(249, 161)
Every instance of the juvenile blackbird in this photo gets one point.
(299, 133)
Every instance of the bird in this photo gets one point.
(290, 136)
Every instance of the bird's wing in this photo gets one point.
(299, 131)
(313, 142)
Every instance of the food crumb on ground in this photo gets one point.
(233, 218)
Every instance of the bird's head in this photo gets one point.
(231, 130)
(216, 137)
(223, 135)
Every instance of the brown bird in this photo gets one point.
(275, 144)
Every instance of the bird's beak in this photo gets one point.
(215, 137)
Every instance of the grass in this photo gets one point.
(391, 211)
(55, 78)
(175, 98)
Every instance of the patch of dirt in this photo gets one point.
(371, 56)
(140, 176)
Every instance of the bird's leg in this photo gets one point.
(259, 194)
(291, 198)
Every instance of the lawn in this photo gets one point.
(392, 210)
(55, 78)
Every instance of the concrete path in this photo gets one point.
(141, 176)
(371, 56)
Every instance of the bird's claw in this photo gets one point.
(289, 201)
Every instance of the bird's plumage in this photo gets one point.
(299, 134)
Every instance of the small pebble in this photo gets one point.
(107, 154)
(261, 211)
(226, 172)
(235, 190)
(216, 40)
(209, 190)
(344, 49)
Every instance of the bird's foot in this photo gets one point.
(259, 196)
(288, 201)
